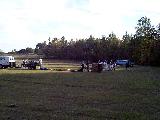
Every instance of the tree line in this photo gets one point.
(143, 47)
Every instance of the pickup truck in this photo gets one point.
(123, 62)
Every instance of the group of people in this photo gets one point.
(84, 66)
(100, 66)
(31, 64)
(108, 65)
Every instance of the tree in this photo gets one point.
(144, 33)
(143, 47)
(125, 47)
(25, 51)
(112, 46)
(155, 48)
(29, 50)
(40, 48)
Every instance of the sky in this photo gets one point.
(24, 23)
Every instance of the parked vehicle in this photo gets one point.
(124, 62)
(7, 61)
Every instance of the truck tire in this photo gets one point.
(1, 66)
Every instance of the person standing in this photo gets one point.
(114, 66)
(127, 65)
(109, 65)
(40, 62)
(82, 67)
(87, 64)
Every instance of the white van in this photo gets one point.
(7, 61)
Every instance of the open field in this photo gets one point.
(47, 95)
(56, 65)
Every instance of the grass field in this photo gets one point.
(132, 94)
(56, 65)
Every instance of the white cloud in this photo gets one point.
(24, 23)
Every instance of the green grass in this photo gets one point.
(132, 94)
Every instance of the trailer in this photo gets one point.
(7, 61)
